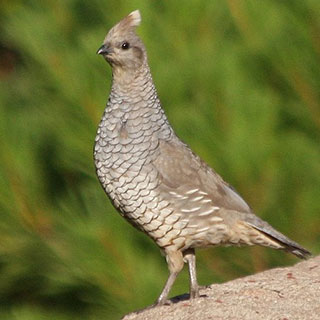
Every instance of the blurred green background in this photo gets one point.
(239, 81)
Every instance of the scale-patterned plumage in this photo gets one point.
(155, 181)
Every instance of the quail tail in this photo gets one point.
(285, 243)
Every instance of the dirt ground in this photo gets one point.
(279, 294)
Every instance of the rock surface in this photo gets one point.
(279, 294)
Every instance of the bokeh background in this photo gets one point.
(239, 81)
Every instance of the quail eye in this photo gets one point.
(125, 45)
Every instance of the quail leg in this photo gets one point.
(190, 257)
(175, 265)
(165, 292)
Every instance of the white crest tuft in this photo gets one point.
(135, 18)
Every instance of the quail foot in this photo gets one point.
(154, 179)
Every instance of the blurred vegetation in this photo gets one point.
(240, 83)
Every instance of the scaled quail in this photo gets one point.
(154, 179)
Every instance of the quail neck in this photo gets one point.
(134, 102)
(133, 85)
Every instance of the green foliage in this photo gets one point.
(240, 83)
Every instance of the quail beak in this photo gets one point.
(104, 50)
